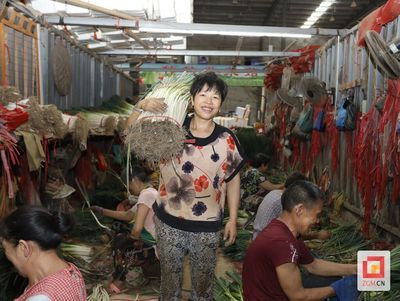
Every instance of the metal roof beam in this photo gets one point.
(190, 28)
(179, 52)
(160, 67)
(95, 22)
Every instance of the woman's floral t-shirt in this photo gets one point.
(193, 186)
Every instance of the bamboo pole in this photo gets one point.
(25, 62)
(16, 61)
(3, 57)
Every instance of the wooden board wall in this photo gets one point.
(19, 53)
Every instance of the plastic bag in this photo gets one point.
(306, 121)
(389, 11)
(351, 117)
(319, 123)
(346, 116)
(370, 22)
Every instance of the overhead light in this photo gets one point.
(353, 4)
(223, 33)
(309, 23)
(312, 19)
(318, 12)
(265, 34)
(322, 9)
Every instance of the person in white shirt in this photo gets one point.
(271, 207)
(143, 231)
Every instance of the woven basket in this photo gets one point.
(62, 69)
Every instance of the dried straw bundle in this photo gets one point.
(161, 137)
(110, 125)
(53, 118)
(36, 117)
(9, 94)
(81, 133)
(155, 141)
(121, 125)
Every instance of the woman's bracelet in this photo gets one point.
(138, 110)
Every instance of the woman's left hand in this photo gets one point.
(153, 105)
(230, 231)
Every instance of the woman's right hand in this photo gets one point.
(97, 209)
(153, 105)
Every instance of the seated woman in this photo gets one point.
(253, 183)
(127, 246)
(30, 236)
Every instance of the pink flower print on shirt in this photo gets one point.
(218, 197)
(224, 167)
(163, 191)
(231, 142)
(201, 183)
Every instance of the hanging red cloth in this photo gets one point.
(387, 129)
(12, 118)
(305, 62)
(272, 79)
(367, 140)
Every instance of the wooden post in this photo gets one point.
(16, 62)
(3, 57)
(25, 60)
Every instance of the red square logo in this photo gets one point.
(373, 267)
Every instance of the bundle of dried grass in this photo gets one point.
(9, 94)
(70, 121)
(54, 120)
(157, 138)
(121, 125)
(155, 141)
(110, 125)
(81, 133)
(36, 117)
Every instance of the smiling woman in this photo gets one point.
(30, 236)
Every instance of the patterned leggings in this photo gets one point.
(172, 246)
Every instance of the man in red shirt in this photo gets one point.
(271, 267)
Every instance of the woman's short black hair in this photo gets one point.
(301, 192)
(212, 81)
(260, 159)
(138, 171)
(35, 223)
(293, 177)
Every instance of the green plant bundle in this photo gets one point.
(116, 105)
(176, 93)
(237, 251)
(343, 245)
(228, 289)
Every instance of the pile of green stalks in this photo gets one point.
(394, 293)
(116, 105)
(95, 266)
(343, 244)
(277, 176)
(11, 283)
(254, 143)
(242, 217)
(228, 289)
(237, 251)
(85, 228)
